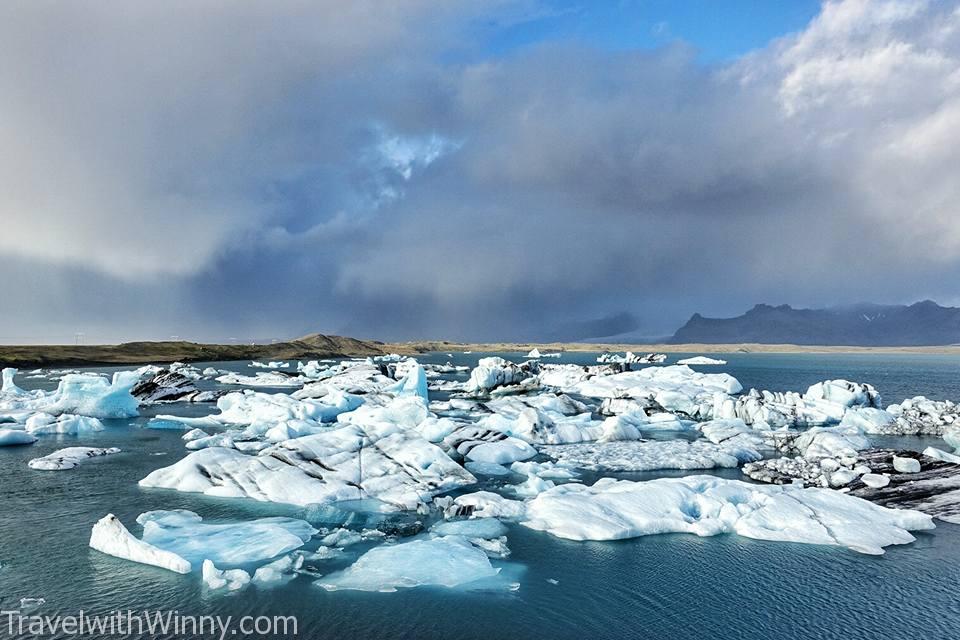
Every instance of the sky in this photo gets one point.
(483, 170)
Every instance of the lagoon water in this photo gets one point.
(668, 586)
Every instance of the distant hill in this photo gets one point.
(315, 345)
(922, 324)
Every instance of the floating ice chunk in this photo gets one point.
(231, 579)
(10, 387)
(654, 455)
(830, 442)
(12, 437)
(383, 461)
(165, 385)
(486, 469)
(194, 434)
(844, 393)
(109, 536)
(272, 379)
(216, 440)
(943, 456)
(484, 504)
(532, 486)
(701, 360)
(185, 534)
(273, 364)
(94, 396)
(870, 420)
(477, 528)
(44, 423)
(494, 372)
(631, 358)
(951, 436)
(279, 571)
(503, 452)
(875, 480)
(534, 353)
(341, 538)
(920, 415)
(414, 383)
(69, 458)
(448, 561)
(549, 470)
(706, 506)
(906, 465)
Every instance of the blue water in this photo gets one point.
(672, 586)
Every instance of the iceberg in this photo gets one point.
(69, 458)
(707, 506)
(44, 423)
(279, 571)
(231, 579)
(446, 561)
(109, 536)
(13, 437)
(701, 360)
(185, 534)
(494, 372)
(920, 415)
(354, 461)
(274, 379)
(653, 455)
(170, 386)
(87, 395)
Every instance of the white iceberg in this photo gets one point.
(80, 394)
(12, 437)
(354, 461)
(701, 360)
(69, 458)
(44, 423)
(185, 534)
(109, 536)
(446, 561)
(707, 506)
(230, 579)
(654, 455)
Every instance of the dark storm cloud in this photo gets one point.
(264, 171)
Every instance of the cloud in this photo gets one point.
(291, 167)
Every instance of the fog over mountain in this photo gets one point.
(463, 170)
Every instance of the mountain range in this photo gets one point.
(924, 323)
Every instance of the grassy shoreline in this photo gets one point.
(322, 346)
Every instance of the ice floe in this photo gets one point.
(109, 536)
(701, 360)
(69, 458)
(706, 506)
(445, 561)
(79, 394)
(653, 455)
(229, 579)
(170, 386)
(380, 460)
(13, 437)
(234, 543)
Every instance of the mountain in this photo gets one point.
(923, 323)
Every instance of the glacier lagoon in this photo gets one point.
(671, 585)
